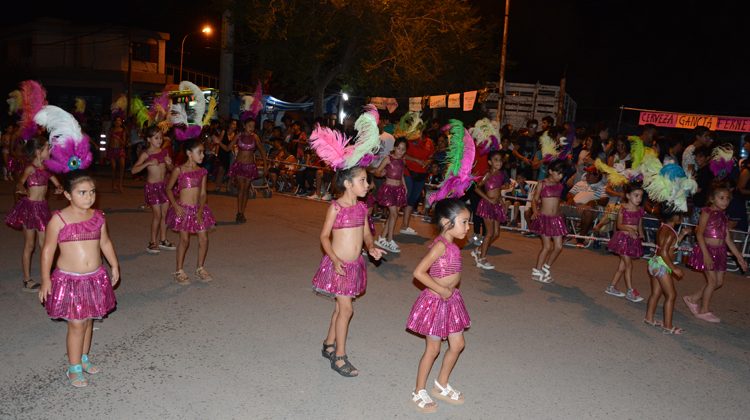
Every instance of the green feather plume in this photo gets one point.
(139, 111)
(455, 150)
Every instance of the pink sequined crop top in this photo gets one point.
(495, 181)
(159, 156)
(38, 178)
(395, 169)
(88, 230)
(716, 227)
(447, 264)
(631, 218)
(349, 217)
(191, 179)
(549, 191)
(246, 142)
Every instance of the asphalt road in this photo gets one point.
(248, 345)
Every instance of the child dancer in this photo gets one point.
(710, 253)
(626, 242)
(116, 152)
(342, 273)
(157, 161)
(31, 212)
(491, 207)
(79, 290)
(439, 313)
(392, 193)
(244, 167)
(663, 272)
(190, 214)
(547, 222)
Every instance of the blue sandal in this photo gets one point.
(88, 367)
(77, 380)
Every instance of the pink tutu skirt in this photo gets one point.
(80, 296)
(29, 214)
(243, 170)
(718, 255)
(431, 315)
(487, 210)
(548, 225)
(16, 165)
(392, 195)
(329, 283)
(625, 245)
(155, 193)
(188, 222)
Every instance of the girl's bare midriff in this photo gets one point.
(343, 240)
(79, 256)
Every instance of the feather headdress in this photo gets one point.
(79, 110)
(333, 146)
(15, 102)
(460, 158)
(722, 160)
(252, 105)
(614, 177)
(69, 147)
(118, 107)
(210, 111)
(551, 149)
(139, 111)
(33, 98)
(179, 117)
(671, 186)
(410, 126)
(486, 136)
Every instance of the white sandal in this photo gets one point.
(423, 401)
(447, 394)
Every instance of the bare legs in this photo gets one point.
(29, 244)
(493, 232)
(663, 285)
(432, 350)
(339, 327)
(184, 244)
(117, 177)
(551, 248)
(202, 248)
(219, 177)
(390, 224)
(78, 341)
(407, 217)
(158, 222)
(624, 269)
(714, 281)
(242, 194)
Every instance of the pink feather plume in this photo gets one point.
(34, 98)
(159, 108)
(257, 104)
(69, 155)
(187, 133)
(331, 146)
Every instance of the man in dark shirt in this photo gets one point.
(526, 147)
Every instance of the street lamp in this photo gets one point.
(206, 30)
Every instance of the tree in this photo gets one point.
(388, 46)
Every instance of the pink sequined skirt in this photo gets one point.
(487, 210)
(243, 170)
(155, 193)
(80, 296)
(435, 316)
(327, 282)
(718, 255)
(624, 244)
(16, 165)
(29, 214)
(188, 222)
(549, 225)
(392, 195)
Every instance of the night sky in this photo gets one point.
(685, 56)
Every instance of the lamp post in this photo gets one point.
(206, 30)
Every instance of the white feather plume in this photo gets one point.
(59, 123)
(177, 114)
(200, 101)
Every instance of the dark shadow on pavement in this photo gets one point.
(500, 284)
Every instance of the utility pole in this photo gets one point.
(226, 65)
(503, 53)
(130, 77)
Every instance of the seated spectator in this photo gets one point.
(520, 191)
(586, 198)
(277, 167)
(434, 178)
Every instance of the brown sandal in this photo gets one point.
(181, 277)
(203, 275)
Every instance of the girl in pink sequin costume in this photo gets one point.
(79, 290)
(190, 214)
(710, 253)
(626, 242)
(31, 211)
(491, 207)
(157, 162)
(439, 312)
(547, 222)
(116, 149)
(342, 273)
(244, 168)
(392, 194)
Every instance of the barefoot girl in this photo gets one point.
(157, 161)
(547, 222)
(439, 312)
(79, 290)
(244, 167)
(663, 272)
(710, 253)
(190, 214)
(31, 212)
(491, 207)
(626, 242)
(392, 194)
(116, 152)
